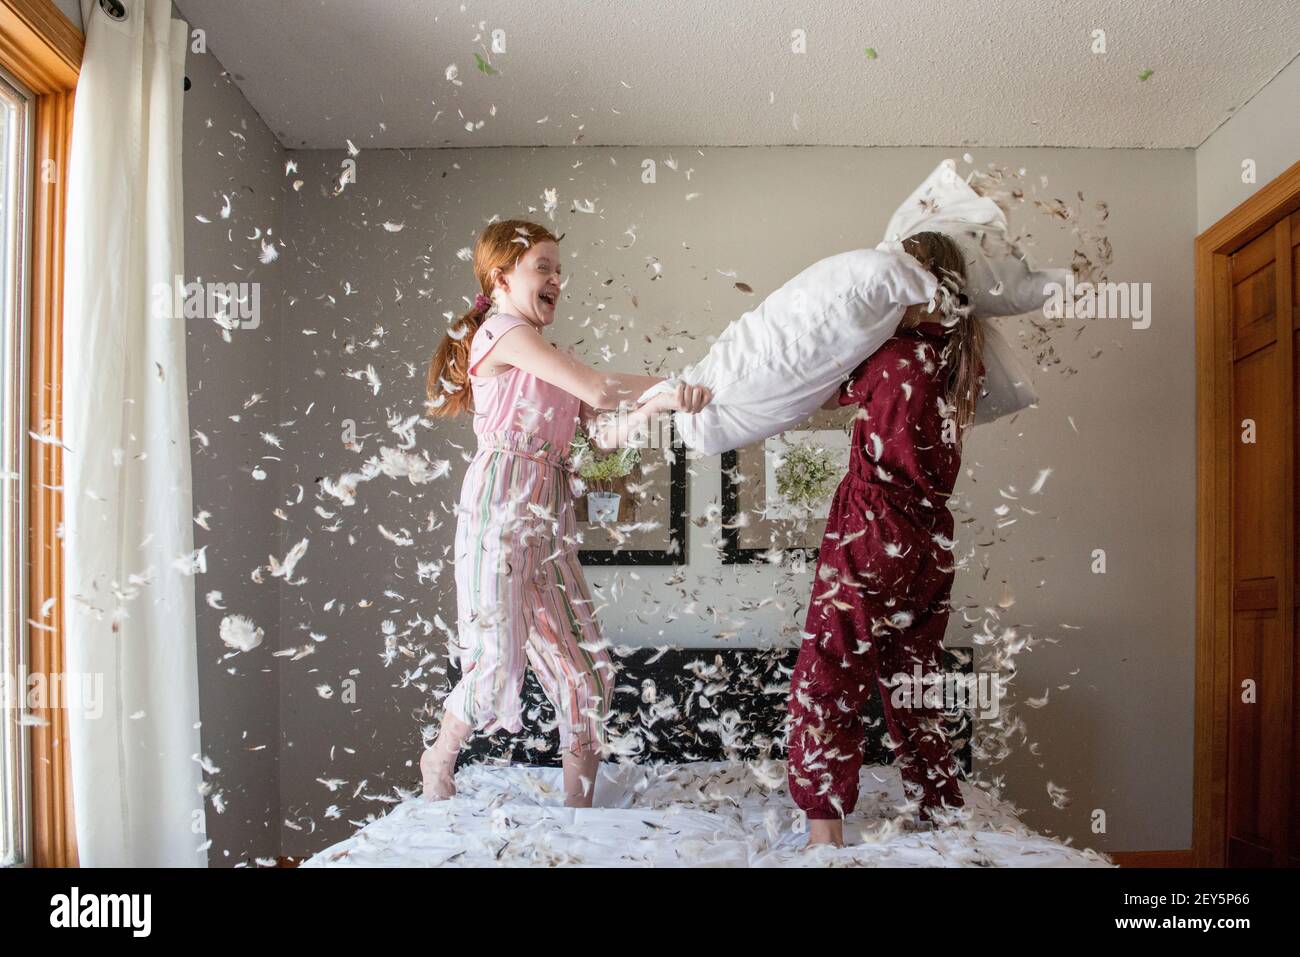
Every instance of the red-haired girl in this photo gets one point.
(520, 591)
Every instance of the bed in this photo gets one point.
(697, 779)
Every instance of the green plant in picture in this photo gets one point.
(598, 468)
(805, 475)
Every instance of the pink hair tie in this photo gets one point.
(482, 303)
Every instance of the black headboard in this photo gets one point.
(672, 706)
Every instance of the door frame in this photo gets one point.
(1270, 205)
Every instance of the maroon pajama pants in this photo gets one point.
(879, 606)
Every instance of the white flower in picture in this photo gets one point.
(803, 469)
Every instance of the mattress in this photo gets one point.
(707, 813)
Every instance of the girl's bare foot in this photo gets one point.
(826, 832)
(438, 763)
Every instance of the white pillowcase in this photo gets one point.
(775, 365)
(998, 281)
(1007, 387)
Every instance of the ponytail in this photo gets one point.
(965, 339)
(447, 386)
(963, 352)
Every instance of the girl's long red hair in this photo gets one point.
(496, 251)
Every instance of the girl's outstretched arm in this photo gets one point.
(619, 429)
(525, 348)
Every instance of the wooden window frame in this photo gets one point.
(1269, 206)
(43, 50)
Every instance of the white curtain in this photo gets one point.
(128, 537)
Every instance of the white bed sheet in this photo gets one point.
(717, 814)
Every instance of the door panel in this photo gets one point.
(1260, 771)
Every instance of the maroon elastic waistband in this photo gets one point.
(904, 500)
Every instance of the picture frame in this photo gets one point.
(671, 498)
(745, 476)
(836, 444)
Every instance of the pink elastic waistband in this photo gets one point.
(529, 445)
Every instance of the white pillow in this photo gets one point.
(775, 365)
(1007, 387)
(999, 281)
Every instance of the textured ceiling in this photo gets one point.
(714, 73)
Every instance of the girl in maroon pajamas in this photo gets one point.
(884, 575)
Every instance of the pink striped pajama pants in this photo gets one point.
(521, 596)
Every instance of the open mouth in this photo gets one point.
(548, 297)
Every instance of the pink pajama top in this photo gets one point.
(517, 401)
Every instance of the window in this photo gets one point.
(15, 237)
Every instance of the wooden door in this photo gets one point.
(1261, 640)
(1248, 353)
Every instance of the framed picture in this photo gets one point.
(822, 451)
(638, 518)
(760, 522)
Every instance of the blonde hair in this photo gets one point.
(965, 346)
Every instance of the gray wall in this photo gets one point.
(1265, 130)
(229, 152)
(1118, 738)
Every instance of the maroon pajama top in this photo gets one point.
(880, 594)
